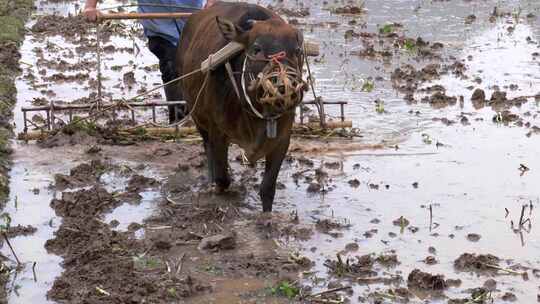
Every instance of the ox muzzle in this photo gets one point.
(277, 89)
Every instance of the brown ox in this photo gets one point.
(223, 116)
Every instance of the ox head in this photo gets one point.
(273, 65)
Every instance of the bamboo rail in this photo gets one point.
(183, 131)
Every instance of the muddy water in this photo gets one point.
(31, 207)
(469, 181)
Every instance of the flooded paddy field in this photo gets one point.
(435, 202)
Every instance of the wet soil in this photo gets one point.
(215, 236)
(103, 265)
(384, 215)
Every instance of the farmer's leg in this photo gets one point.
(165, 51)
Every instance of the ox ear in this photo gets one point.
(229, 30)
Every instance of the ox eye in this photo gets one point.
(256, 49)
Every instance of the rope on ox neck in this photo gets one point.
(246, 95)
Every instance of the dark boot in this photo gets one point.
(174, 93)
(166, 53)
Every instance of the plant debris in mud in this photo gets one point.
(401, 222)
(331, 224)
(474, 262)
(349, 10)
(285, 289)
(298, 13)
(20, 230)
(398, 295)
(361, 266)
(102, 265)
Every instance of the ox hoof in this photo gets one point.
(220, 189)
(221, 185)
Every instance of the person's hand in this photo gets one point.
(91, 14)
(209, 3)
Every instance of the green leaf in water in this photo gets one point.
(368, 86)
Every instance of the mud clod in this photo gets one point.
(478, 98)
(505, 117)
(440, 100)
(360, 265)
(355, 183)
(498, 96)
(453, 282)
(314, 188)
(388, 260)
(509, 297)
(470, 19)
(430, 260)
(218, 242)
(138, 183)
(425, 281)
(352, 247)
(401, 222)
(349, 10)
(490, 284)
(81, 176)
(473, 237)
(84, 203)
(20, 230)
(327, 225)
(473, 262)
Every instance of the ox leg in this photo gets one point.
(271, 171)
(219, 148)
(209, 156)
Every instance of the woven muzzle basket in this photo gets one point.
(279, 87)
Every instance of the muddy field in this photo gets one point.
(433, 200)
